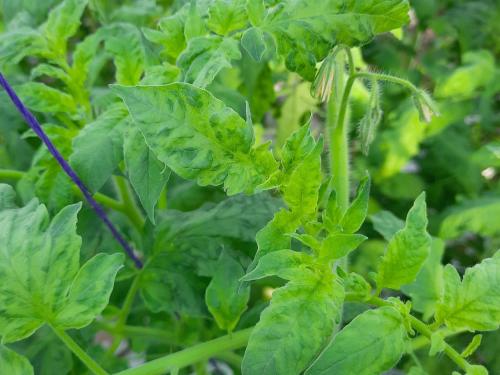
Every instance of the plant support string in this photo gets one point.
(37, 128)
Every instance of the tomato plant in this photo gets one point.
(241, 186)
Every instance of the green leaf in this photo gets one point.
(12, 363)
(474, 302)
(63, 23)
(226, 16)
(188, 245)
(42, 280)
(195, 25)
(124, 43)
(338, 245)
(205, 57)
(256, 43)
(357, 287)
(301, 188)
(98, 149)
(256, 11)
(286, 264)
(305, 32)
(275, 235)
(42, 98)
(382, 345)
(472, 346)
(198, 137)
(407, 250)
(85, 51)
(172, 28)
(426, 290)
(147, 174)
(356, 213)
(293, 329)
(226, 297)
(387, 224)
(19, 43)
(477, 70)
(300, 144)
(88, 296)
(473, 215)
(7, 197)
(298, 104)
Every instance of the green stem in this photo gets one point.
(9, 174)
(79, 352)
(129, 204)
(192, 355)
(136, 331)
(425, 330)
(124, 313)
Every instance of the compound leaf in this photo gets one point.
(382, 345)
(198, 137)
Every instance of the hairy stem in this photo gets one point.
(79, 352)
(192, 355)
(388, 78)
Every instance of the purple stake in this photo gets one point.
(35, 125)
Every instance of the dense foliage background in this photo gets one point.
(450, 48)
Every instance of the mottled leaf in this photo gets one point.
(42, 280)
(205, 57)
(12, 363)
(198, 137)
(305, 31)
